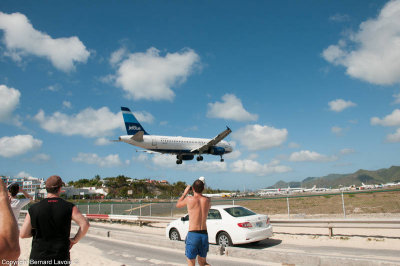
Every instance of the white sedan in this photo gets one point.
(227, 225)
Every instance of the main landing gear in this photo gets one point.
(222, 160)
(199, 158)
(179, 161)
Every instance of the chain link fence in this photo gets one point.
(291, 206)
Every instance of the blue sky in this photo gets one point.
(309, 88)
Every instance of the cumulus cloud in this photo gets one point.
(395, 137)
(151, 76)
(390, 120)
(87, 123)
(102, 142)
(9, 100)
(111, 160)
(230, 108)
(67, 104)
(17, 145)
(23, 174)
(372, 53)
(310, 156)
(340, 104)
(396, 98)
(40, 157)
(254, 167)
(347, 151)
(338, 131)
(144, 117)
(258, 137)
(21, 39)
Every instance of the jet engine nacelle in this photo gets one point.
(217, 150)
(185, 157)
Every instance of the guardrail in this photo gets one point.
(330, 224)
(338, 223)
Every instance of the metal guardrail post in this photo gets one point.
(288, 207)
(150, 208)
(88, 208)
(140, 209)
(99, 209)
(112, 208)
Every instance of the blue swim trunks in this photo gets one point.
(196, 244)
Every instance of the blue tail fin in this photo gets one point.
(131, 123)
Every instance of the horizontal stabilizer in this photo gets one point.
(138, 136)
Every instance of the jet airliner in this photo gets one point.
(184, 148)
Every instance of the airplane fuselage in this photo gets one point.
(176, 145)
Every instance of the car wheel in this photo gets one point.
(223, 239)
(174, 235)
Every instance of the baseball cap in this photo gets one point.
(54, 181)
(202, 179)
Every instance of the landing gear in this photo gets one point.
(222, 160)
(199, 158)
(179, 161)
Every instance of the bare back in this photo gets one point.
(198, 207)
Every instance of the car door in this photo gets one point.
(214, 221)
(184, 228)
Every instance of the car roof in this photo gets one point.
(223, 206)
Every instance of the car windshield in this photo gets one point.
(239, 211)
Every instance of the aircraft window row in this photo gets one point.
(182, 141)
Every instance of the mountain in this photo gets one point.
(380, 176)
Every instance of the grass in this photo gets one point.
(360, 203)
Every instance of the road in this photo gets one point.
(126, 253)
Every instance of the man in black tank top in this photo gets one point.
(49, 223)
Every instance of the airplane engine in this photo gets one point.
(217, 150)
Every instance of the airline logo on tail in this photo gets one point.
(132, 125)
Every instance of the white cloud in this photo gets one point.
(338, 131)
(339, 105)
(23, 174)
(67, 104)
(87, 123)
(390, 120)
(230, 108)
(310, 156)
(373, 53)
(347, 151)
(151, 76)
(253, 167)
(9, 100)
(257, 137)
(396, 98)
(144, 117)
(395, 137)
(339, 18)
(117, 56)
(40, 157)
(293, 145)
(17, 145)
(111, 160)
(102, 142)
(20, 39)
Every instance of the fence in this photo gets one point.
(290, 206)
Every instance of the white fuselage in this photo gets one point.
(173, 145)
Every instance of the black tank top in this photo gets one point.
(51, 227)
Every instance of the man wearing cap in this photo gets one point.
(49, 223)
(17, 204)
(197, 237)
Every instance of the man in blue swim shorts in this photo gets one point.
(197, 238)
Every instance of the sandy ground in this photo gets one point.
(83, 254)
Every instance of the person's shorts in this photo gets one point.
(196, 244)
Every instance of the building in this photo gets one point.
(30, 184)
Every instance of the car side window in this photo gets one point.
(213, 214)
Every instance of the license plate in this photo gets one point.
(259, 224)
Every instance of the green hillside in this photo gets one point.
(380, 176)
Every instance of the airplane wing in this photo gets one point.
(214, 141)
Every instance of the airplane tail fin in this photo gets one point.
(132, 125)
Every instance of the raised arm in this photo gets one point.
(9, 242)
(83, 224)
(182, 200)
(25, 194)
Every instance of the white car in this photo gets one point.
(227, 225)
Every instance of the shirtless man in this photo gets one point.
(197, 237)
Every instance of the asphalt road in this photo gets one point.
(136, 254)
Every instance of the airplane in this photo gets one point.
(184, 148)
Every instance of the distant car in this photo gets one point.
(227, 225)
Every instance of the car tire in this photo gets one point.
(174, 235)
(223, 239)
